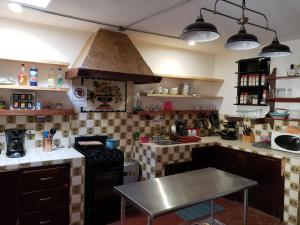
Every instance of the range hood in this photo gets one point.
(111, 55)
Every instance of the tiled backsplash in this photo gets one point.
(119, 125)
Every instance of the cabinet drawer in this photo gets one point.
(54, 216)
(45, 177)
(39, 200)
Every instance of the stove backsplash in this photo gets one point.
(117, 125)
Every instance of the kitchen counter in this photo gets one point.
(154, 158)
(36, 157)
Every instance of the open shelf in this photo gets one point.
(33, 88)
(292, 100)
(182, 96)
(283, 119)
(252, 104)
(175, 112)
(283, 78)
(240, 119)
(42, 112)
(253, 72)
(200, 78)
(47, 62)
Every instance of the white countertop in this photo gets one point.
(37, 157)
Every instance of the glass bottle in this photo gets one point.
(291, 71)
(51, 78)
(23, 77)
(60, 79)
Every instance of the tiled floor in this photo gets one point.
(232, 215)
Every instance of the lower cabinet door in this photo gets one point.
(54, 216)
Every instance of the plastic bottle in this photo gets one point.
(33, 72)
(51, 78)
(60, 79)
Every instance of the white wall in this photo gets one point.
(166, 60)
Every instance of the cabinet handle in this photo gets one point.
(45, 199)
(45, 222)
(46, 178)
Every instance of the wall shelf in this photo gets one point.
(182, 96)
(261, 86)
(42, 112)
(176, 112)
(46, 62)
(252, 104)
(283, 78)
(291, 100)
(200, 78)
(33, 88)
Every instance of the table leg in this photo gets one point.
(122, 211)
(212, 209)
(245, 205)
(150, 220)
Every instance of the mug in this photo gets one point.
(112, 144)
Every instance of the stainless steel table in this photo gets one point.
(159, 196)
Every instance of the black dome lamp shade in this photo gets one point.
(242, 41)
(200, 31)
(275, 49)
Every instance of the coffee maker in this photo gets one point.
(15, 139)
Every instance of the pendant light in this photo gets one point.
(242, 41)
(200, 31)
(275, 49)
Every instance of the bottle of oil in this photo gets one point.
(51, 78)
(23, 77)
(60, 79)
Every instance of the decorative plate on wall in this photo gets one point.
(105, 95)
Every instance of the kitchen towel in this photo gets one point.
(198, 211)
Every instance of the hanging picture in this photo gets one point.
(105, 95)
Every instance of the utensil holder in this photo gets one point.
(248, 138)
(47, 144)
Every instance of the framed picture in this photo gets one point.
(105, 95)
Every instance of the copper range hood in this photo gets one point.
(111, 55)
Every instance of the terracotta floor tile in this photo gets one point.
(232, 215)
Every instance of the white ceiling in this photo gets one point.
(284, 16)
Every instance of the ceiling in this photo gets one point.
(284, 16)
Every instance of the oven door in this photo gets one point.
(102, 203)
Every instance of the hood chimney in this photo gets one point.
(111, 55)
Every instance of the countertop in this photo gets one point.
(37, 157)
(235, 144)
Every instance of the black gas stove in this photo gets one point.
(104, 170)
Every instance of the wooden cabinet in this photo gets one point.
(35, 196)
(177, 168)
(9, 186)
(268, 195)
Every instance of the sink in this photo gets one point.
(166, 142)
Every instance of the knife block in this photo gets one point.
(248, 138)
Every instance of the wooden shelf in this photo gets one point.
(182, 96)
(283, 78)
(240, 119)
(33, 88)
(283, 119)
(252, 104)
(46, 62)
(200, 78)
(176, 112)
(42, 112)
(292, 100)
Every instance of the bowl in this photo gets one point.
(282, 111)
(148, 91)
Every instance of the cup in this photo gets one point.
(47, 144)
